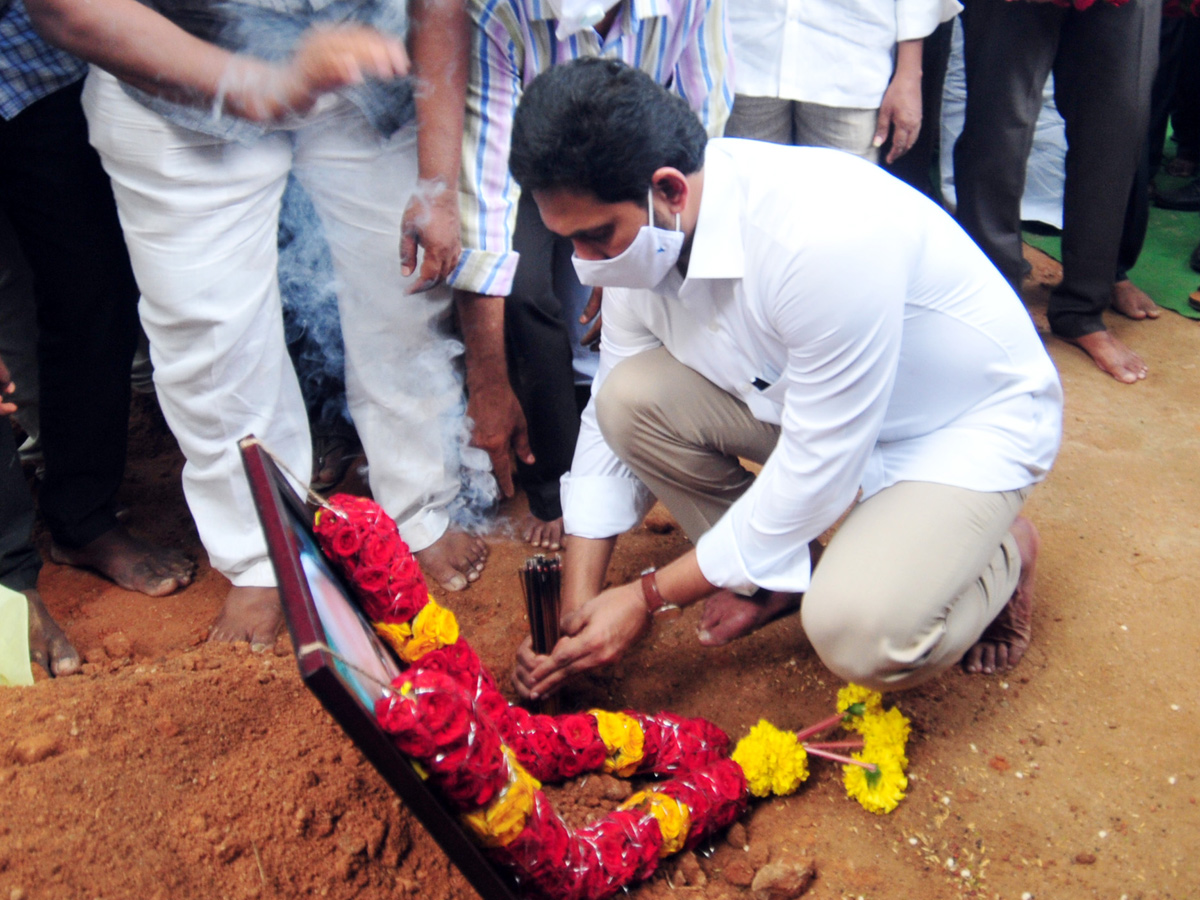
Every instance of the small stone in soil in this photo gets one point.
(739, 873)
(34, 749)
(117, 645)
(737, 836)
(1085, 859)
(782, 880)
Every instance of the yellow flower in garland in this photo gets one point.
(773, 761)
(624, 740)
(887, 731)
(674, 818)
(397, 634)
(433, 627)
(880, 791)
(501, 822)
(855, 701)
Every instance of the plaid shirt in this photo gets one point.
(682, 44)
(30, 69)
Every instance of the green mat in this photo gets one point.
(1162, 270)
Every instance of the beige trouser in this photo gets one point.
(804, 124)
(907, 584)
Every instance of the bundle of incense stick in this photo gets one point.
(541, 582)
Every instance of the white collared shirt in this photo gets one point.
(889, 346)
(830, 52)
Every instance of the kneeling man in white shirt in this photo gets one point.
(804, 310)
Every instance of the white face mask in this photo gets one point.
(643, 264)
(576, 15)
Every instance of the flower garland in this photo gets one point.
(490, 758)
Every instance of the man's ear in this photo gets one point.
(672, 186)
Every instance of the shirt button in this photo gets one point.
(714, 327)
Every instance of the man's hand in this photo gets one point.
(597, 634)
(328, 58)
(900, 111)
(499, 429)
(591, 313)
(7, 407)
(430, 220)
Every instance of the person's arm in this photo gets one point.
(900, 109)
(499, 425)
(147, 50)
(7, 407)
(704, 74)
(488, 204)
(439, 39)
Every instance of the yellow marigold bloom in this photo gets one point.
(674, 818)
(888, 732)
(880, 791)
(433, 627)
(773, 761)
(857, 701)
(501, 822)
(395, 633)
(624, 740)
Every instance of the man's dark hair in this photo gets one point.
(601, 126)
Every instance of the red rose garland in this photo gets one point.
(487, 756)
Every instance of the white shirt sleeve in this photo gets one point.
(843, 336)
(918, 18)
(601, 497)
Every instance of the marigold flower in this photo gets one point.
(854, 701)
(886, 731)
(773, 761)
(880, 791)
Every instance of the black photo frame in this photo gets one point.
(323, 620)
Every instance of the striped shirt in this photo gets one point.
(682, 44)
(30, 69)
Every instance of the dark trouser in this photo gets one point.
(58, 199)
(1104, 61)
(539, 348)
(915, 167)
(19, 562)
(1137, 213)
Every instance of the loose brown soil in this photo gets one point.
(172, 768)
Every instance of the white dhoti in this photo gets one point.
(201, 218)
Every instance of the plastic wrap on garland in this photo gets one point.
(488, 758)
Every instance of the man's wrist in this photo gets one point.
(652, 596)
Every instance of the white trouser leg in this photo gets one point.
(403, 392)
(201, 221)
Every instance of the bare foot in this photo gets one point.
(130, 562)
(1130, 300)
(48, 646)
(1111, 356)
(1005, 641)
(453, 560)
(540, 533)
(728, 616)
(251, 614)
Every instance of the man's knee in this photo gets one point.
(881, 653)
(624, 403)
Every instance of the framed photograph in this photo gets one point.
(345, 665)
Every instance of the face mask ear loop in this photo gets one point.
(650, 205)
(678, 227)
